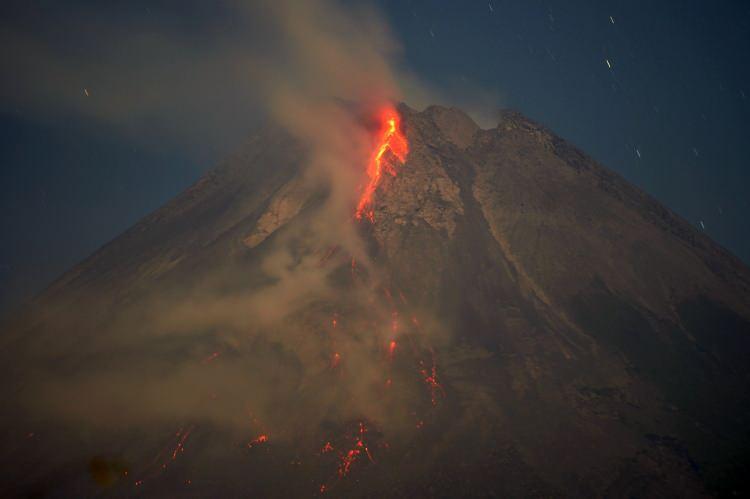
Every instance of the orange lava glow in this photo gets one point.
(260, 439)
(335, 360)
(180, 447)
(431, 379)
(390, 139)
(391, 349)
(350, 457)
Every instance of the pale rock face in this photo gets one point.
(284, 206)
(455, 125)
(419, 195)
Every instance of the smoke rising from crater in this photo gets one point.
(293, 328)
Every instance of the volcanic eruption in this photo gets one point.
(491, 313)
(390, 140)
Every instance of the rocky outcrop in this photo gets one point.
(284, 206)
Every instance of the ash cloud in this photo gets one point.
(233, 346)
(151, 72)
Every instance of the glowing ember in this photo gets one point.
(390, 139)
(347, 461)
(391, 349)
(260, 439)
(352, 455)
(430, 377)
(180, 447)
(335, 360)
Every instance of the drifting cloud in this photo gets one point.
(150, 72)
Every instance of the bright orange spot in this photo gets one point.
(390, 139)
(431, 379)
(346, 460)
(335, 360)
(391, 349)
(260, 439)
(180, 447)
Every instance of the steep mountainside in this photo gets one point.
(516, 321)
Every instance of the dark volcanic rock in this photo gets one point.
(592, 342)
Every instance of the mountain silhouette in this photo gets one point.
(514, 320)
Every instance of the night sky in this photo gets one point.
(657, 91)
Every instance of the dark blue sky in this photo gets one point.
(657, 91)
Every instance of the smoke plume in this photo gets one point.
(294, 335)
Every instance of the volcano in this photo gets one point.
(508, 319)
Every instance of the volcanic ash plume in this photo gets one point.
(296, 337)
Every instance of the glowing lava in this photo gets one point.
(390, 139)
(431, 379)
(391, 349)
(335, 360)
(350, 457)
(180, 447)
(260, 439)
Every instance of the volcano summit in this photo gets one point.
(498, 316)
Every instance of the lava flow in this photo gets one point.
(350, 457)
(390, 139)
(260, 439)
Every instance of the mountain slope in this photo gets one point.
(516, 321)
